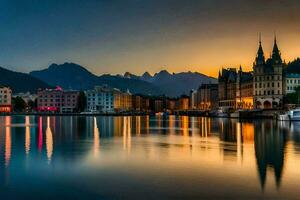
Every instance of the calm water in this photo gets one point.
(148, 158)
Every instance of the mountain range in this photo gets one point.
(173, 84)
(74, 76)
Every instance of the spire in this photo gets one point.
(276, 57)
(260, 58)
(260, 39)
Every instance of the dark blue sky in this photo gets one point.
(114, 36)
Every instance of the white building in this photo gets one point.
(292, 81)
(5, 99)
(105, 99)
(193, 99)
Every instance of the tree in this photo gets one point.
(31, 105)
(294, 98)
(19, 104)
(81, 101)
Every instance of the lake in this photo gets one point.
(142, 157)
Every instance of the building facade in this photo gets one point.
(140, 103)
(5, 99)
(268, 77)
(208, 97)
(292, 81)
(227, 88)
(183, 102)
(193, 99)
(108, 100)
(244, 90)
(57, 100)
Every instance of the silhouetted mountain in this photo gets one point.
(20, 82)
(73, 76)
(177, 83)
(129, 75)
(67, 75)
(147, 77)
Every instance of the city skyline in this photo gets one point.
(138, 36)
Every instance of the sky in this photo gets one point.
(115, 36)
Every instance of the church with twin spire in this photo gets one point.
(268, 88)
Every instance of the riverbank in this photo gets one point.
(73, 114)
(242, 114)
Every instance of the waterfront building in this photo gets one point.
(268, 79)
(158, 105)
(109, 100)
(171, 104)
(244, 90)
(140, 103)
(5, 99)
(57, 100)
(208, 94)
(137, 102)
(227, 88)
(292, 81)
(183, 102)
(126, 101)
(235, 89)
(193, 99)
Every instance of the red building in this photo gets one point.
(5, 100)
(57, 100)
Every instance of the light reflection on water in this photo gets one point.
(148, 157)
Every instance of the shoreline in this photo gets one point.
(251, 116)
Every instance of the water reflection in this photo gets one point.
(7, 140)
(127, 133)
(96, 138)
(269, 150)
(27, 135)
(261, 148)
(49, 140)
